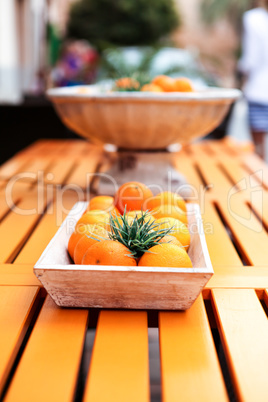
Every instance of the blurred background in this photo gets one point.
(46, 43)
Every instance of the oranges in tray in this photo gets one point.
(133, 228)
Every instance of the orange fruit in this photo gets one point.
(151, 88)
(164, 82)
(166, 255)
(171, 240)
(95, 234)
(75, 237)
(165, 197)
(127, 83)
(179, 230)
(95, 216)
(183, 85)
(103, 202)
(83, 90)
(108, 252)
(169, 210)
(132, 195)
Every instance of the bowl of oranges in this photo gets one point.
(134, 250)
(131, 116)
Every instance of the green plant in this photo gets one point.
(142, 64)
(138, 235)
(115, 64)
(122, 22)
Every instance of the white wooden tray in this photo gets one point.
(72, 285)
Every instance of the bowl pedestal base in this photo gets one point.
(153, 168)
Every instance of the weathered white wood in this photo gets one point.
(123, 287)
(115, 289)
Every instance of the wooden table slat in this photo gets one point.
(5, 207)
(259, 204)
(82, 173)
(199, 150)
(11, 167)
(77, 147)
(16, 304)
(17, 226)
(49, 366)
(189, 364)
(119, 368)
(61, 168)
(46, 229)
(239, 175)
(239, 277)
(213, 175)
(36, 168)
(256, 165)
(249, 233)
(15, 189)
(183, 165)
(18, 275)
(222, 149)
(10, 194)
(52, 147)
(39, 239)
(220, 247)
(36, 147)
(243, 327)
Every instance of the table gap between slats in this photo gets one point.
(19, 308)
(253, 164)
(183, 164)
(220, 242)
(47, 227)
(230, 373)
(259, 215)
(263, 296)
(240, 176)
(248, 233)
(259, 206)
(17, 227)
(6, 209)
(221, 148)
(12, 167)
(59, 171)
(232, 236)
(213, 175)
(255, 275)
(193, 315)
(189, 361)
(50, 356)
(243, 327)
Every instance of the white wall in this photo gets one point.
(10, 82)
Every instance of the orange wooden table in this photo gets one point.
(217, 350)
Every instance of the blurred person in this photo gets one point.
(254, 67)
